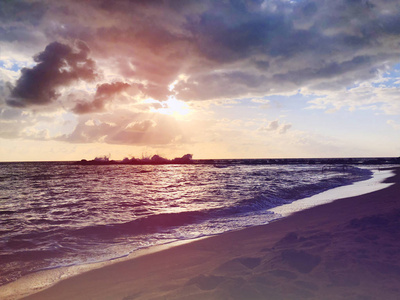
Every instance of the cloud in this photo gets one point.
(57, 66)
(22, 11)
(12, 123)
(105, 92)
(127, 128)
(271, 126)
(226, 49)
(395, 125)
(274, 126)
(284, 128)
(374, 94)
(141, 126)
(17, 123)
(323, 45)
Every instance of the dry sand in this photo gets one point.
(348, 249)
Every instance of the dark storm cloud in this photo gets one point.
(57, 66)
(104, 93)
(15, 34)
(214, 49)
(327, 71)
(315, 44)
(222, 39)
(30, 12)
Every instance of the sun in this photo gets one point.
(174, 107)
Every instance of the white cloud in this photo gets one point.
(366, 95)
(395, 125)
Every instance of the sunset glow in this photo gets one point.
(232, 79)
(174, 107)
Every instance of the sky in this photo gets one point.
(217, 79)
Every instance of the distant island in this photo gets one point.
(154, 160)
(188, 159)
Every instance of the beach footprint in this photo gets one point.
(206, 282)
(250, 262)
(239, 265)
(301, 261)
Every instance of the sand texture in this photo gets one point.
(348, 249)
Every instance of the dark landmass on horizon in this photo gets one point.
(188, 159)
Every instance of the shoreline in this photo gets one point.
(101, 270)
(358, 188)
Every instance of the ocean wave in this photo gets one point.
(58, 214)
(143, 225)
(286, 193)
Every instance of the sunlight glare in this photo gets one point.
(174, 107)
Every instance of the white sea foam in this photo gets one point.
(376, 183)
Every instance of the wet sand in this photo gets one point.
(347, 249)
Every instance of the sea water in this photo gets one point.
(61, 214)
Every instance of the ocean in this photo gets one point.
(56, 214)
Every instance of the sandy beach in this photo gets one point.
(347, 249)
